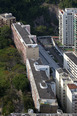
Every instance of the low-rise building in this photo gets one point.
(43, 89)
(24, 41)
(7, 19)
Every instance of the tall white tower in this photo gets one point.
(66, 26)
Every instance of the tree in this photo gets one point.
(5, 37)
(21, 82)
(28, 103)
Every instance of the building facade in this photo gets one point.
(7, 19)
(72, 98)
(24, 41)
(66, 26)
(62, 79)
(43, 90)
(70, 63)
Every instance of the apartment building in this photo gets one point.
(59, 72)
(66, 88)
(7, 19)
(24, 41)
(70, 63)
(75, 32)
(62, 79)
(72, 98)
(43, 89)
(66, 26)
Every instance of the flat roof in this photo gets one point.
(7, 16)
(39, 77)
(71, 8)
(23, 32)
(72, 57)
(72, 86)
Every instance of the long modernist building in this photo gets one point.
(24, 41)
(43, 90)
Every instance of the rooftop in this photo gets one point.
(66, 78)
(23, 32)
(71, 8)
(45, 91)
(7, 15)
(72, 57)
(72, 86)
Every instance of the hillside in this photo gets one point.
(40, 14)
(15, 94)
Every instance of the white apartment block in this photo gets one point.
(70, 63)
(66, 26)
(72, 98)
(62, 79)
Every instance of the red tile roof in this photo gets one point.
(55, 36)
(61, 11)
(72, 86)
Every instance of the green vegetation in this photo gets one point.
(13, 77)
(21, 82)
(59, 43)
(5, 34)
(28, 12)
(28, 102)
(68, 49)
(36, 14)
(68, 3)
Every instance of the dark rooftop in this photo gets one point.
(23, 32)
(72, 57)
(40, 77)
(61, 70)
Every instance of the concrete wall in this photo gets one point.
(34, 91)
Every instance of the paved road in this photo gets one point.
(53, 51)
(48, 60)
